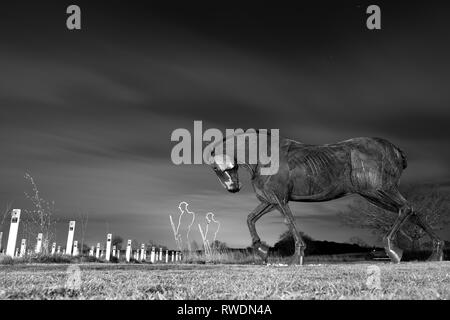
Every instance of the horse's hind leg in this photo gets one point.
(393, 201)
(261, 249)
(300, 245)
(438, 244)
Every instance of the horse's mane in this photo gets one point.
(236, 134)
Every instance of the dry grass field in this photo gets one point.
(414, 280)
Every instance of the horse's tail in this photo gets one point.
(403, 157)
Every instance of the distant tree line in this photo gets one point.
(286, 246)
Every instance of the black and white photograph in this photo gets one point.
(242, 152)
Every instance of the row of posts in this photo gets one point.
(72, 246)
(138, 255)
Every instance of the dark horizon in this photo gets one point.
(89, 113)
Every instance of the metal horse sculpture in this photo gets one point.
(370, 167)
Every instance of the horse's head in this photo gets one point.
(226, 170)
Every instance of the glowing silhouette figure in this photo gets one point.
(176, 229)
(185, 204)
(206, 244)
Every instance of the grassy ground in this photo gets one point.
(418, 280)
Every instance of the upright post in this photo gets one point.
(23, 247)
(39, 243)
(128, 253)
(70, 237)
(97, 254)
(152, 255)
(108, 246)
(142, 252)
(75, 248)
(13, 229)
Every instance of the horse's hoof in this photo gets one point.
(436, 256)
(438, 252)
(394, 253)
(262, 250)
(296, 260)
(299, 256)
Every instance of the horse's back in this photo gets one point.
(317, 170)
(350, 166)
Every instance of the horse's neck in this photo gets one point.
(251, 168)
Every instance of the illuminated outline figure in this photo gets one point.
(177, 235)
(209, 218)
(370, 167)
(192, 222)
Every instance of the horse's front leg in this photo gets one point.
(261, 249)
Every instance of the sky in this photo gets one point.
(89, 113)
